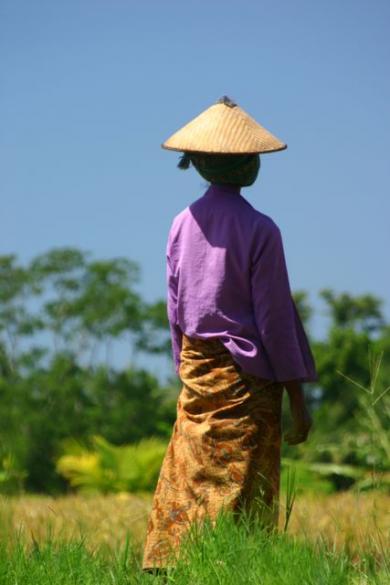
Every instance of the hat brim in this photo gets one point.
(163, 145)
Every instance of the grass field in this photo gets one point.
(340, 538)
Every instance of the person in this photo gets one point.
(237, 340)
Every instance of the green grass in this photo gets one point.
(229, 553)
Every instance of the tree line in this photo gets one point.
(61, 314)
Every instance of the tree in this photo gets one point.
(356, 325)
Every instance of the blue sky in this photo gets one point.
(91, 88)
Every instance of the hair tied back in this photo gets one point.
(184, 161)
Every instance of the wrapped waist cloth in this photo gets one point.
(224, 450)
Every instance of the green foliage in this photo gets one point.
(108, 468)
(153, 337)
(356, 330)
(303, 307)
(372, 442)
(40, 410)
(307, 478)
(51, 392)
(85, 305)
(357, 454)
(362, 312)
(11, 475)
(60, 318)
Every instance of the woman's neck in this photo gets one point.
(227, 187)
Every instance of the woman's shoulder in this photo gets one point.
(259, 219)
(178, 224)
(264, 223)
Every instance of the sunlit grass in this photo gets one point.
(360, 523)
(98, 539)
(103, 520)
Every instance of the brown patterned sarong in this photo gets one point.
(224, 450)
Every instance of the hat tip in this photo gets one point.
(227, 101)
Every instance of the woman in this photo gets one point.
(237, 339)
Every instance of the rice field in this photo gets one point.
(349, 529)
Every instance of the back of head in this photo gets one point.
(232, 169)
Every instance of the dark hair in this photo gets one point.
(234, 169)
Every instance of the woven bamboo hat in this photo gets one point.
(224, 128)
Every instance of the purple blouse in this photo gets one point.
(227, 277)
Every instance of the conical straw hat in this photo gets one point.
(225, 128)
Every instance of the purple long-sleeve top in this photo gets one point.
(227, 278)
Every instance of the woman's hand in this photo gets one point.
(301, 419)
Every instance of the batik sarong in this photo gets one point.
(224, 450)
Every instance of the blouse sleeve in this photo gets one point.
(175, 331)
(280, 328)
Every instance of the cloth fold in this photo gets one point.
(224, 450)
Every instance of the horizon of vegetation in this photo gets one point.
(61, 318)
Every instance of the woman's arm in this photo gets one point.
(175, 331)
(301, 419)
(279, 326)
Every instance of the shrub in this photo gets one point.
(110, 468)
